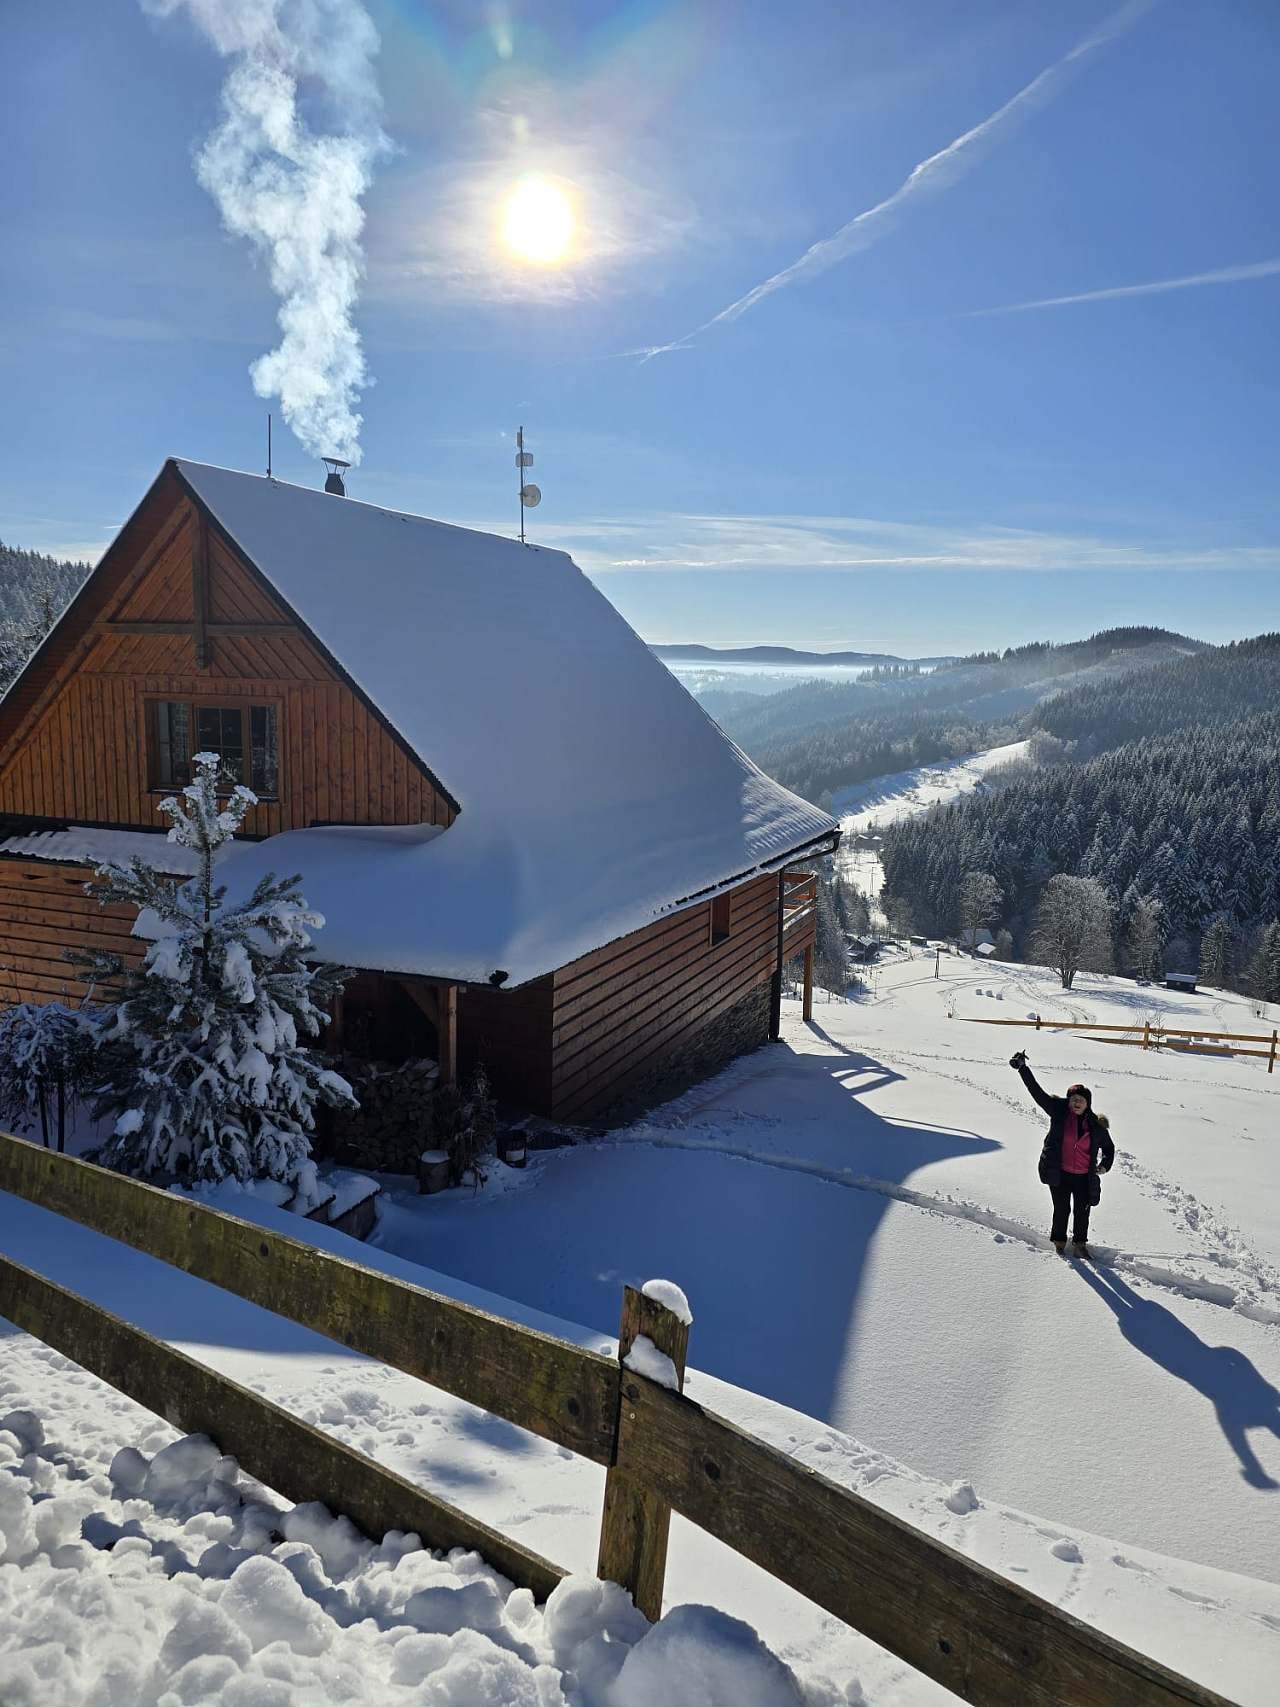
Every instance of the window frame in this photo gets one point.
(210, 702)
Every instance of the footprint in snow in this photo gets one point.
(1067, 1550)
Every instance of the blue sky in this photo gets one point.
(864, 456)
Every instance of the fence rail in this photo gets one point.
(1154, 1036)
(979, 1635)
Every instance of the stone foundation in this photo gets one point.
(741, 1028)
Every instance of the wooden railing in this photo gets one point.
(1155, 1035)
(983, 1637)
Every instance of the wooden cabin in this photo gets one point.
(528, 840)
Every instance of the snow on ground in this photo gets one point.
(156, 1574)
(874, 805)
(1221, 1628)
(855, 1217)
(874, 1179)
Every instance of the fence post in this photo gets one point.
(1146, 1034)
(635, 1523)
(1271, 1059)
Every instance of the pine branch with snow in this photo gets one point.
(208, 1073)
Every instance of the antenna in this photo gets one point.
(268, 446)
(530, 495)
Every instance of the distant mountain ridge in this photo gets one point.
(694, 653)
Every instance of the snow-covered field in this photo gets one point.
(885, 800)
(855, 1215)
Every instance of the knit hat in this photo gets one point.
(1081, 1090)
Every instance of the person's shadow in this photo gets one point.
(1242, 1398)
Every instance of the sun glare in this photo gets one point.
(538, 222)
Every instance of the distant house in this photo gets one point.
(863, 949)
(987, 950)
(525, 835)
(1180, 981)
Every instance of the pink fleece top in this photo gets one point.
(1075, 1144)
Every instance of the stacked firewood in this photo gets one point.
(395, 1117)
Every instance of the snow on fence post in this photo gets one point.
(635, 1522)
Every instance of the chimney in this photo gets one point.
(333, 482)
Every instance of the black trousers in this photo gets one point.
(1071, 1195)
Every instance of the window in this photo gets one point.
(245, 737)
(720, 919)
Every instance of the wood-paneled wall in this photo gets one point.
(85, 757)
(621, 1009)
(44, 910)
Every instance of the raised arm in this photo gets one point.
(1019, 1061)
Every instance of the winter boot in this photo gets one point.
(1060, 1245)
(1080, 1249)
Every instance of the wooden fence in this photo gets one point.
(1157, 1036)
(981, 1636)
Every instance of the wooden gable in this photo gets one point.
(175, 612)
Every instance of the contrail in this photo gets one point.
(1221, 275)
(937, 173)
(295, 192)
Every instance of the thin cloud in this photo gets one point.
(1155, 287)
(671, 542)
(929, 178)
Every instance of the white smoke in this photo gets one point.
(295, 192)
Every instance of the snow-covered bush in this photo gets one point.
(45, 1055)
(205, 1074)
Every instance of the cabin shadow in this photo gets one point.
(760, 1219)
(1241, 1396)
(800, 1261)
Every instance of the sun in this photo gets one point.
(538, 222)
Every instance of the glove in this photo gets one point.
(1018, 1060)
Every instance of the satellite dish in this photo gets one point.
(531, 496)
(524, 459)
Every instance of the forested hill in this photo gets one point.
(1190, 820)
(822, 736)
(34, 590)
(1215, 686)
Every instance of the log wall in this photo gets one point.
(44, 910)
(622, 1009)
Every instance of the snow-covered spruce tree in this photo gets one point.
(1264, 969)
(1145, 937)
(1217, 953)
(205, 1073)
(45, 1055)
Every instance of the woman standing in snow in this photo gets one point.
(1077, 1149)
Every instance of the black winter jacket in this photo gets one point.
(1056, 1109)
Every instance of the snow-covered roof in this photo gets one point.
(594, 792)
(84, 846)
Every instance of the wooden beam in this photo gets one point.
(200, 592)
(561, 1391)
(271, 1444)
(983, 1637)
(424, 997)
(808, 982)
(636, 1522)
(447, 1032)
(214, 629)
